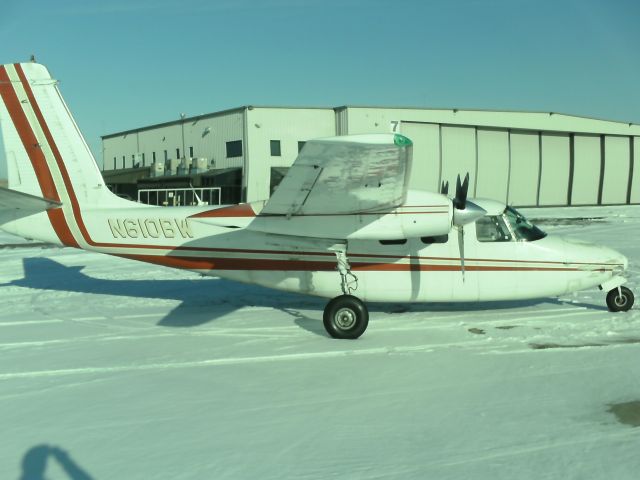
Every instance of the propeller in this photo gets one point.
(464, 212)
(460, 200)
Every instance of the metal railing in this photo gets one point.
(175, 197)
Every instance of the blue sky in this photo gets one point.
(129, 63)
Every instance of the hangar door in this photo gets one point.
(458, 155)
(554, 169)
(616, 170)
(493, 164)
(425, 166)
(525, 168)
(586, 168)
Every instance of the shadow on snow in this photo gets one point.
(204, 300)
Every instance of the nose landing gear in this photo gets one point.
(620, 299)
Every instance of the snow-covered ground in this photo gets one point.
(111, 369)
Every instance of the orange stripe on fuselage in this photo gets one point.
(212, 263)
(242, 210)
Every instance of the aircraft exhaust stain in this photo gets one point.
(627, 413)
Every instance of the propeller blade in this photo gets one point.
(461, 249)
(460, 201)
(445, 188)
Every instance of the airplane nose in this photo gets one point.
(583, 252)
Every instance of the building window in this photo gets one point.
(275, 148)
(153, 155)
(115, 163)
(300, 145)
(234, 149)
(191, 152)
(123, 160)
(177, 153)
(143, 160)
(166, 156)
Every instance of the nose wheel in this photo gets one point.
(620, 299)
(346, 317)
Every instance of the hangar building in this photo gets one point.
(523, 158)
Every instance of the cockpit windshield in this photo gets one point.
(522, 228)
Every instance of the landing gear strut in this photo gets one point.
(620, 299)
(345, 316)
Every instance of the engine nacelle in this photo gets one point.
(424, 214)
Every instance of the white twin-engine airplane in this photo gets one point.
(342, 222)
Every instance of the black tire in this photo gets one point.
(345, 317)
(620, 303)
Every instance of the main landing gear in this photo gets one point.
(620, 299)
(345, 316)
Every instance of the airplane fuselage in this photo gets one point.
(425, 269)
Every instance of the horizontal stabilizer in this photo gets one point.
(12, 200)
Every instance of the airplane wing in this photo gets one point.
(23, 203)
(345, 175)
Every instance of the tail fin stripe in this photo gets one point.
(29, 141)
(36, 156)
(56, 153)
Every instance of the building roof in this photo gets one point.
(346, 107)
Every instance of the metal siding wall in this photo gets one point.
(287, 125)
(493, 164)
(586, 170)
(158, 140)
(554, 176)
(525, 168)
(616, 170)
(117, 147)
(425, 168)
(213, 145)
(458, 154)
(635, 185)
(342, 123)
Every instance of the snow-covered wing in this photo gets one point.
(348, 174)
(12, 200)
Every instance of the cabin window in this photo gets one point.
(436, 239)
(492, 229)
(399, 241)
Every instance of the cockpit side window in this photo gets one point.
(492, 229)
(522, 228)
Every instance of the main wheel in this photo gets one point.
(345, 316)
(620, 301)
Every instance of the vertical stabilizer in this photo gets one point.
(47, 157)
(45, 151)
